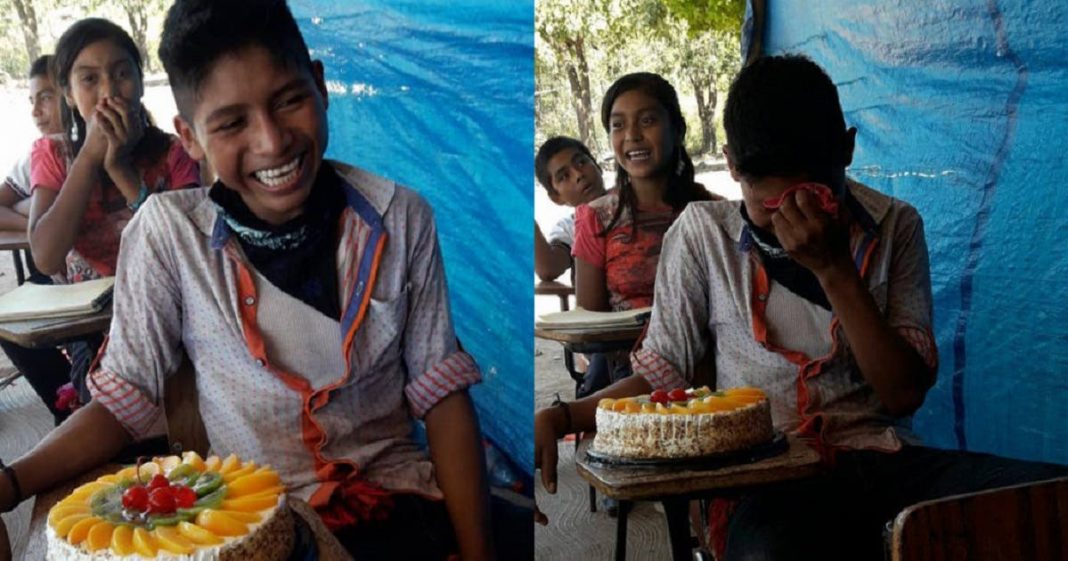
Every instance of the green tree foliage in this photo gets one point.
(721, 16)
(581, 47)
(29, 28)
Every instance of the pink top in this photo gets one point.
(96, 249)
(629, 264)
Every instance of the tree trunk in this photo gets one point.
(705, 92)
(713, 97)
(581, 114)
(578, 76)
(136, 14)
(587, 103)
(28, 19)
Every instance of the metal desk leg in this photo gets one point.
(27, 257)
(621, 531)
(677, 513)
(569, 363)
(20, 275)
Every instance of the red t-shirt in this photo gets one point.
(629, 264)
(96, 248)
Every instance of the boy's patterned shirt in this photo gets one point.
(183, 286)
(714, 296)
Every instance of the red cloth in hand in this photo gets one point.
(824, 197)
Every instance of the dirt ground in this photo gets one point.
(573, 531)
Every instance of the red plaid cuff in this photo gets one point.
(130, 407)
(456, 372)
(660, 373)
(923, 342)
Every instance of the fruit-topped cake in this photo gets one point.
(682, 423)
(177, 508)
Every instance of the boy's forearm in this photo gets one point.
(13, 208)
(550, 261)
(456, 450)
(893, 368)
(584, 411)
(11, 220)
(89, 438)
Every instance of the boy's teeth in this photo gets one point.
(638, 154)
(280, 175)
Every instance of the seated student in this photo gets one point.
(46, 370)
(310, 297)
(567, 170)
(618, 236)
(88, 183)
(830, 316)
(15, 191)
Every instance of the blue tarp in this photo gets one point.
(962, 110)
(439, 97)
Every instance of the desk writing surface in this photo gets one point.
(11, 240)
(633, 483)
(553, 288)
(590, 335)
(38, 543)
(40, 333)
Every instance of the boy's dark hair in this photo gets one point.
(783, 117)
(681, 187)
(155, 143)
(40, 67)
(197, 33)
(548, 150)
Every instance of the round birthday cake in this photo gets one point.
(175, 508)
(682, 423)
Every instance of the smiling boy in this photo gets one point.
(310, 297)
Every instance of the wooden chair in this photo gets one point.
(185, 428)
(1022, 522)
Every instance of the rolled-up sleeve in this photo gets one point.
(436, 365)
(908, 308)
(678, 335)
(144, 343)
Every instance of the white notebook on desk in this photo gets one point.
(580, 319)
(44, 301)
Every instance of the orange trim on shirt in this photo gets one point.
(375, 262)
(811, 426)
(335, 475)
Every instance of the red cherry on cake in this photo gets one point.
(678, 394)
(159, 480)
(161, 501)
(184, 497)
(659, 396)
(135, 498)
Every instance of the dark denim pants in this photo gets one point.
(419, 529)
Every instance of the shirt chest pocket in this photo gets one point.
(379, 340)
